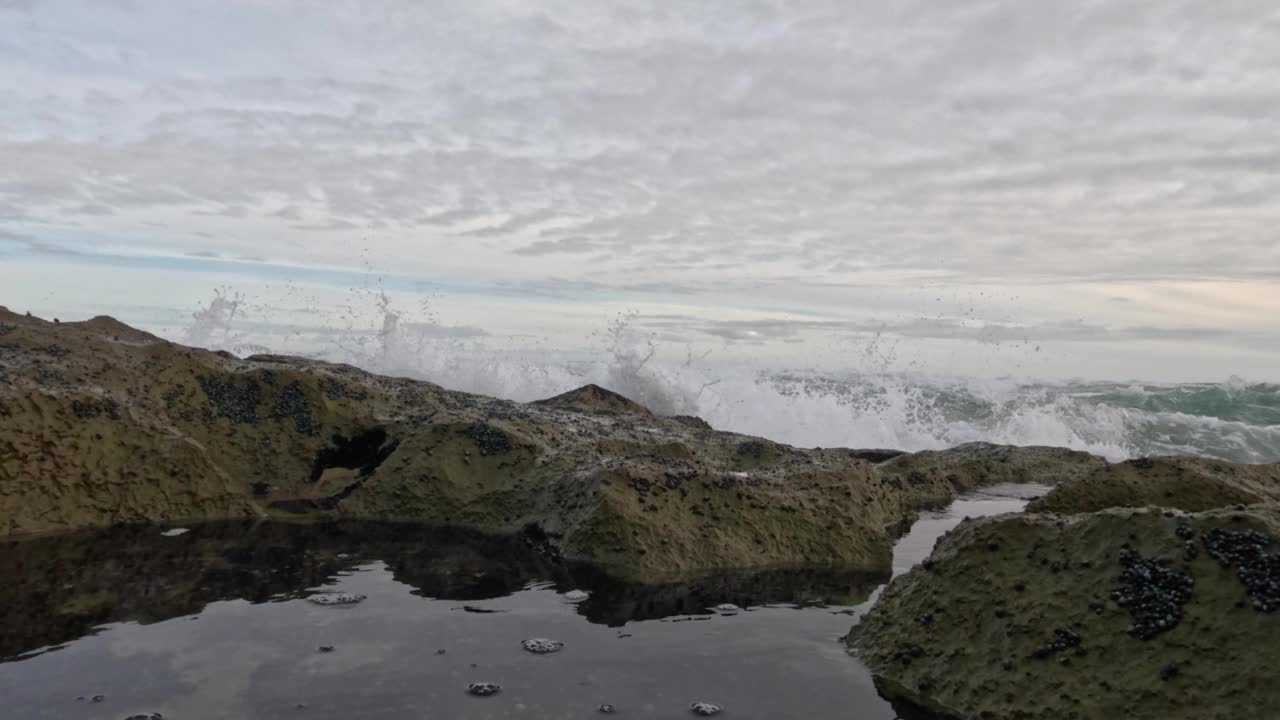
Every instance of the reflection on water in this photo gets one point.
(215, 623)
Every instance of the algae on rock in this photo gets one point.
(1132, 611)
(119, 426)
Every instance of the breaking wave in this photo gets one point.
(872, 407)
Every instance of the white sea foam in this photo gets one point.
(874, 407)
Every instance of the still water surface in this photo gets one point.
(215, 624)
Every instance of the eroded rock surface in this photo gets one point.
(1185, 483)
(103, 424)
(1164, 606)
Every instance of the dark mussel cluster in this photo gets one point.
(1187, 534)
(1245, 550)
(1063, 640)
(1153, 592)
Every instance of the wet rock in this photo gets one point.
(606, 709)
(595, 400)
(146, 716)
(1109, 622)
(484, 689)
(754, 449)
(335, 598)
(696, 423)
(542, 646)
(338, 390)
(705, 709)
(567, 462)
(325, 649)
(875, 455)
(480, 610)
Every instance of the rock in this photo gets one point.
(1179, 483)
(595, 400)
(1094, 658)
(542, 646)
(335, 598)
(127, 428)
(606, 709)
(325, 649)
(146, 716)
(484, 689)
(696, 423)
(480, 610)
(876, 455)
(705, 709)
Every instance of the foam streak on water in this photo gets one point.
(1235, 420)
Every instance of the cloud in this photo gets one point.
(40, 247)
(570, 244)
(997, 141)
(790, 330)
(575, 288)
(757, 155)
(436, 330)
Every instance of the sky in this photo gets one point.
(995, 186)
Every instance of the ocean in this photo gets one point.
(870, 404)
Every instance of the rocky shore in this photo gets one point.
(1143, 589)
(102, 424)
(1147, 589)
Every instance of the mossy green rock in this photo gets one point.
(102, 424)
(970, 633)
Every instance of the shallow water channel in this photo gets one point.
(222, 622)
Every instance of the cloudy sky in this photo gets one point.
(1097, 179)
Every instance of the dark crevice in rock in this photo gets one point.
(876, 455)
(363, 452)
(541, 542)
